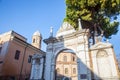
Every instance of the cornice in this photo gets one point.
(24, 43)
(83, 32)
(53, 40)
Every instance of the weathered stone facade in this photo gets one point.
(93, 63)
(16, 56)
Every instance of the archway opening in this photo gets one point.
(66, 66)
(103, 64)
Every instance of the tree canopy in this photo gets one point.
(98, 15)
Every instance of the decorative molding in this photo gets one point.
(53, 40)
(37, 56)
(101, 45)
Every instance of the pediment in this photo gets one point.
(100, 45)
(66, 28)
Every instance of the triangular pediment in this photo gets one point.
(65, 29)
(101, 45)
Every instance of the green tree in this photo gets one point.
(100, 16)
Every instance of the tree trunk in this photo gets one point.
(95, 34)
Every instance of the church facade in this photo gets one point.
(16, 55)
(69, 56)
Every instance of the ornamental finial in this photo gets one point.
(79, 23)
(51, 31)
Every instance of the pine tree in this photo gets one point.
(99, 16)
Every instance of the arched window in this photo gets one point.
(73, 58)
(66, 70)
(58, 70)
(102, 54)
(33, 40)
(65, 58)
(74, 70)
(103, 59)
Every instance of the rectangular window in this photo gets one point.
(12, 78)
(29, 59)
(0, 49)
(74, 70)
(1, 62)
(17, 54)
(83, 76)
(66, 70)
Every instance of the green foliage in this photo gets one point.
(94, 12)
(109, 27)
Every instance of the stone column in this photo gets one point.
(52, 71)
(41, 67)
(32, 70)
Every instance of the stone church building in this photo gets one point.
(69, 56)
(16, 55)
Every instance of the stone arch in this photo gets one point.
(101, 53)
(70, 52)
(59, 51)
(102, 58)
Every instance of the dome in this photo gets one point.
(37, 33)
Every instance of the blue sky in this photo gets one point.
(27, 16)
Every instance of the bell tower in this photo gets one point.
(36, 39)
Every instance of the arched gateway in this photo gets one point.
(69, 57)
(66, 55)
(66, 66)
